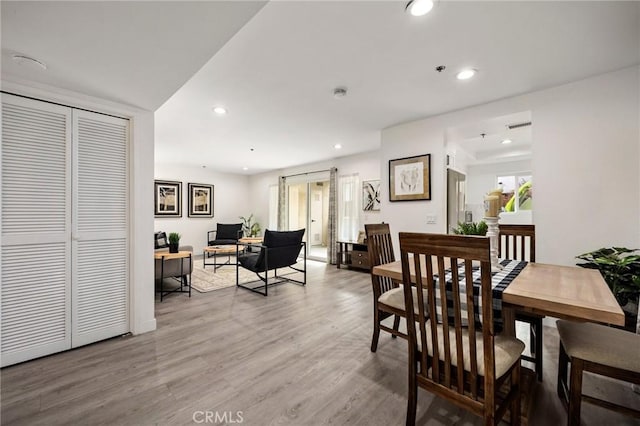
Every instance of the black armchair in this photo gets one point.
(278, 250)
(225, 234)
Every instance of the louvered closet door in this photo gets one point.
(100, 291)
(36, 226)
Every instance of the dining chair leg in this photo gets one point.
(532, 339)
(515, 405)
(376, 329)
(575, 392)
(539, 331)
(563, 363)
(412, 396)
(396, 325)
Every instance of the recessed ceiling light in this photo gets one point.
(220, 110)
(466, 74)
(245, 168)
(337, 146)
(27, 60)
(419, 7)
(507, 141)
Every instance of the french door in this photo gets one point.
(308, 207)
(64, 228)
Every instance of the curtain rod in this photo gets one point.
(307, 173)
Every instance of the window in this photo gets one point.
(517, 192)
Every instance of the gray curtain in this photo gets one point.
(333, 216)
(282, 207)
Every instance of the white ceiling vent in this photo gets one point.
(518, 125)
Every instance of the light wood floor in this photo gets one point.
(298, 357)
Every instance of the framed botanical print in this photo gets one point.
(371, 195)
(168, 198)
(410, 178)
(200, 200)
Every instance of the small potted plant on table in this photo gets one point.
(471, 228)
(174, 242)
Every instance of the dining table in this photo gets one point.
(567, 292)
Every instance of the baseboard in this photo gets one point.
(145, 327)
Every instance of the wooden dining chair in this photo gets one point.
(466, 365)
(388, 296)
(518, 242)
(380, 250)
(598, 349)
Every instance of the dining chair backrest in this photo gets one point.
(517, 242)
(380, 248)
(432, 257)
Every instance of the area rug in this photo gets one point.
(205, 280)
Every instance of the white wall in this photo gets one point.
(406, 140)
(142, 302)
(230, 201)
(585, 164)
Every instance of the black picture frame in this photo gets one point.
(410, 178)
(167, 198)
(200, 200)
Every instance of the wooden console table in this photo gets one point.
(353, 254)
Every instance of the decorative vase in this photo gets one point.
(493, 234)
(173, 247)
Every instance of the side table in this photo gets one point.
(184, 281)
(218, 250)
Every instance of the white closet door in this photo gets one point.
(36, 225)
(100, 298)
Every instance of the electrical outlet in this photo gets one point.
(431, 220)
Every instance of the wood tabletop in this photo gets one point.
(166, 255)
(568, 292)
(220, 249)
(250, 240)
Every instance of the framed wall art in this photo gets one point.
(168, 198)
(410, 178)
(200, 200)
(371, 195)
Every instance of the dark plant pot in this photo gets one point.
(630, 315)
(173, 248)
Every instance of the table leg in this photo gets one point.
(162, 279)
(190, 269)
(509, 319)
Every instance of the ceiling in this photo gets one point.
(275, 67)
(482, 141)
(136, 53)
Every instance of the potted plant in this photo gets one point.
(250, 229)
(471, 228)
(620, 268)
(174, 242)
